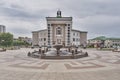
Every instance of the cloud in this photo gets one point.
(98, 17)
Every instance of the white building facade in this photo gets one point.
(108, 42)
(111, 42)
(59, 32)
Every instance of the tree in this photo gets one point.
(20, 43)
(6, 39)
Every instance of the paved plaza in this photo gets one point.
(100, 65)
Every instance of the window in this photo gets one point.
(58, 31)
(68, 39)
(68, 35)
(76, 39)
(73, 34)
(68, 42)
(48, 24)
(52, 24)
(68, 24)
(77, 34)
(73, 39)
(48, 32)
(48, 27)
(48, 35)
(68, 27)
(44, 39)
(59, 41)
(48, 41)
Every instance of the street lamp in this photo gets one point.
(44, 47)
(2, 42)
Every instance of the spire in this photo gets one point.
(59, 14)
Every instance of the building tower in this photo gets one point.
(59, 30)
(59, 14)
(2, 29)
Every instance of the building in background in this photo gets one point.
(107, 42)
(2, 29)
(59, 32)
(25, 39)
(112, 42)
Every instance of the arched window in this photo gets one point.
(58, 31)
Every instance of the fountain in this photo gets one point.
(59, 53)
(58, 47)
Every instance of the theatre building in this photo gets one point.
(59, 32)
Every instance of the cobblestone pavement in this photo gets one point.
(100, 65)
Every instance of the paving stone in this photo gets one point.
(16, 65)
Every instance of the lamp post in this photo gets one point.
(44, 47)
(2, 42)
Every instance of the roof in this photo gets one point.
(72, 30)
(79, 31)
(39, 30)
(113, 38)
(104, 38)
(76, 30)
(59, 18)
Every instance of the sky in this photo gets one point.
(98, 17)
